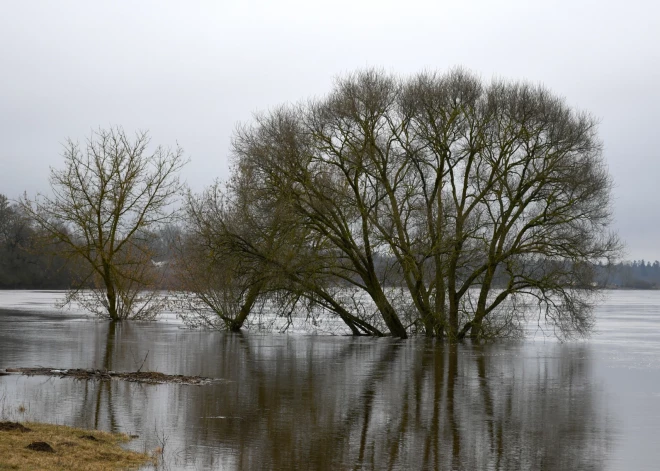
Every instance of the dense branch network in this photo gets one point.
(103, 203)
(450, 205)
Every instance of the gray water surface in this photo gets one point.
(323, 402)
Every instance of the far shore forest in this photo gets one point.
(25, 265)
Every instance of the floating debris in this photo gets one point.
(148, 377)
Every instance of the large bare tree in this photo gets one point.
(110, 194)
(483, 197)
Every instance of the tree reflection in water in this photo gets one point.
(345, 404)
(315, 402)
(106, 404)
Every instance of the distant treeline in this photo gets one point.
(24, 262)
(636, 274)
(28, 260)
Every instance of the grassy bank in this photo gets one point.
(72, 449)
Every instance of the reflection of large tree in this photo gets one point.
(323, 404)
(289, 402)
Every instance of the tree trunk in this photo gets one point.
(453, 317)
(354, 323)
(480, 313)
(375, 290)
(453, 298)
(429, 324)
(246, 307)
(389, 314)
(440, 294)
(111, 294)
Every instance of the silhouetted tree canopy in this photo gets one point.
(483, 199)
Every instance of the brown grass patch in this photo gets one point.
(73, 450)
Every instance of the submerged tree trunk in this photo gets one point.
(480, 313)
(353, 323)
(454, 298)
(246, 307)
(440, 295)
(390, 316)
(111, 294)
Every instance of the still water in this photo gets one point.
(324, 402)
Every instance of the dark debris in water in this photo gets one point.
(148, 377)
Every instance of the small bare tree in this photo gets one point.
(218, 290)
(110, 194)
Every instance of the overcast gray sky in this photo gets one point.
(189, 71)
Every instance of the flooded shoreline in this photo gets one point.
(332, 402)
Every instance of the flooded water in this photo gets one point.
(324, 402)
